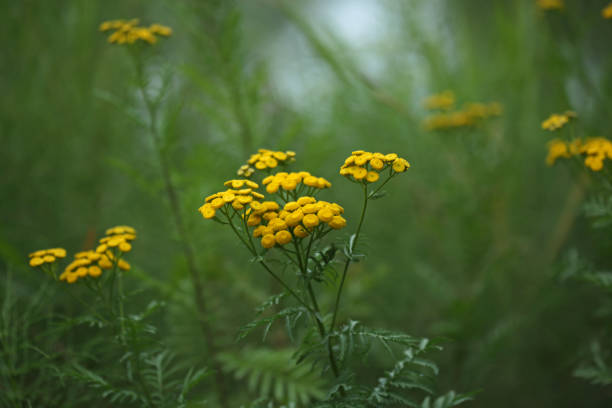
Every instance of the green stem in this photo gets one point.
(121, 309)
(182, 233)
(346, 266)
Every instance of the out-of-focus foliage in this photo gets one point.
(469, 249)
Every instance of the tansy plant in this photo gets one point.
(140, 369)
(281, 219)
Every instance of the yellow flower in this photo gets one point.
(268, 241)
(444, 100)
(268, 159)
(128, 32)
(86, 263)
(282, 237)
(550, 4)
(607, 11)
(556, 149)
(373, 176)
(337, 222)
(557, 120)
(46, 256)
(365, 166)
(310, 221)
(291, 181)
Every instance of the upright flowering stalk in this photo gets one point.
(138, 40)
(284, 217)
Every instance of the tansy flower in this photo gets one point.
(556, 149)
(46, 256)
(241, 193)
(470, 115)
(117, 238)
(550, 4)
(87, 263)
(128, 32)
(557, 120)
(291, 181)
(297, 219)
(607, 11)
(444, 100)
(365, 167)
(268, 159)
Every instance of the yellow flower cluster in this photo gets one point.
(269, 159)
(596, 149)
(128, 32)
(48, 256)
(470, 115)
(550, 4)
(607, 11)
(290, 181)
(245, 171)
(240, 193)
(365, 166)
(444, 100)
(297, 219)
(558, 120)
(118, 237)
(86, 263)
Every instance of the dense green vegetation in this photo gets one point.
(480, 247)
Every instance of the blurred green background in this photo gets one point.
(465, 245)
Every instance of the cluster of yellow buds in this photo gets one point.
(86, 263)
(607, 11)
(443, 100)
(236, 196)
(596, 149)
(128, 31)
(558, 120)
(269, 159)
(290, 181)
(46, 256)
(245, 171)
(297, 219)
(550, 4)
(365, 166)
(117, 237)
(470, 115)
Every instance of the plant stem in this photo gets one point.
(121, 311)
(182, 233)
(346, 266)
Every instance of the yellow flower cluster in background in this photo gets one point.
(443, 100)
(46, 256)
(470, 115)
(558, 120)
(128, 32)
(607, 11)
(365, 166)
(86, 263)
(236, 196)
(117, 237)
(550, 4)
(297, 219)
(245, 171)
(595, 149)
(269, 159)
(290, 181)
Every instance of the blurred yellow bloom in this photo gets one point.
(558, 120)
(444, 100)
(607, 11)
(47, 256)
(128, 32)
(550, 4)
(595, 149)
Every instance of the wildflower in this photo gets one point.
(240, 193)
(365, 167)
(245, 171)
(86, 263)
(558, 120)
(297, 219)
(290, 181)
(470, 115)
(268, 159)
(607, 11)
(46, 256)
(128, 32)
(444, 100)
(117, 238)
(556, 149)
(550, 4)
